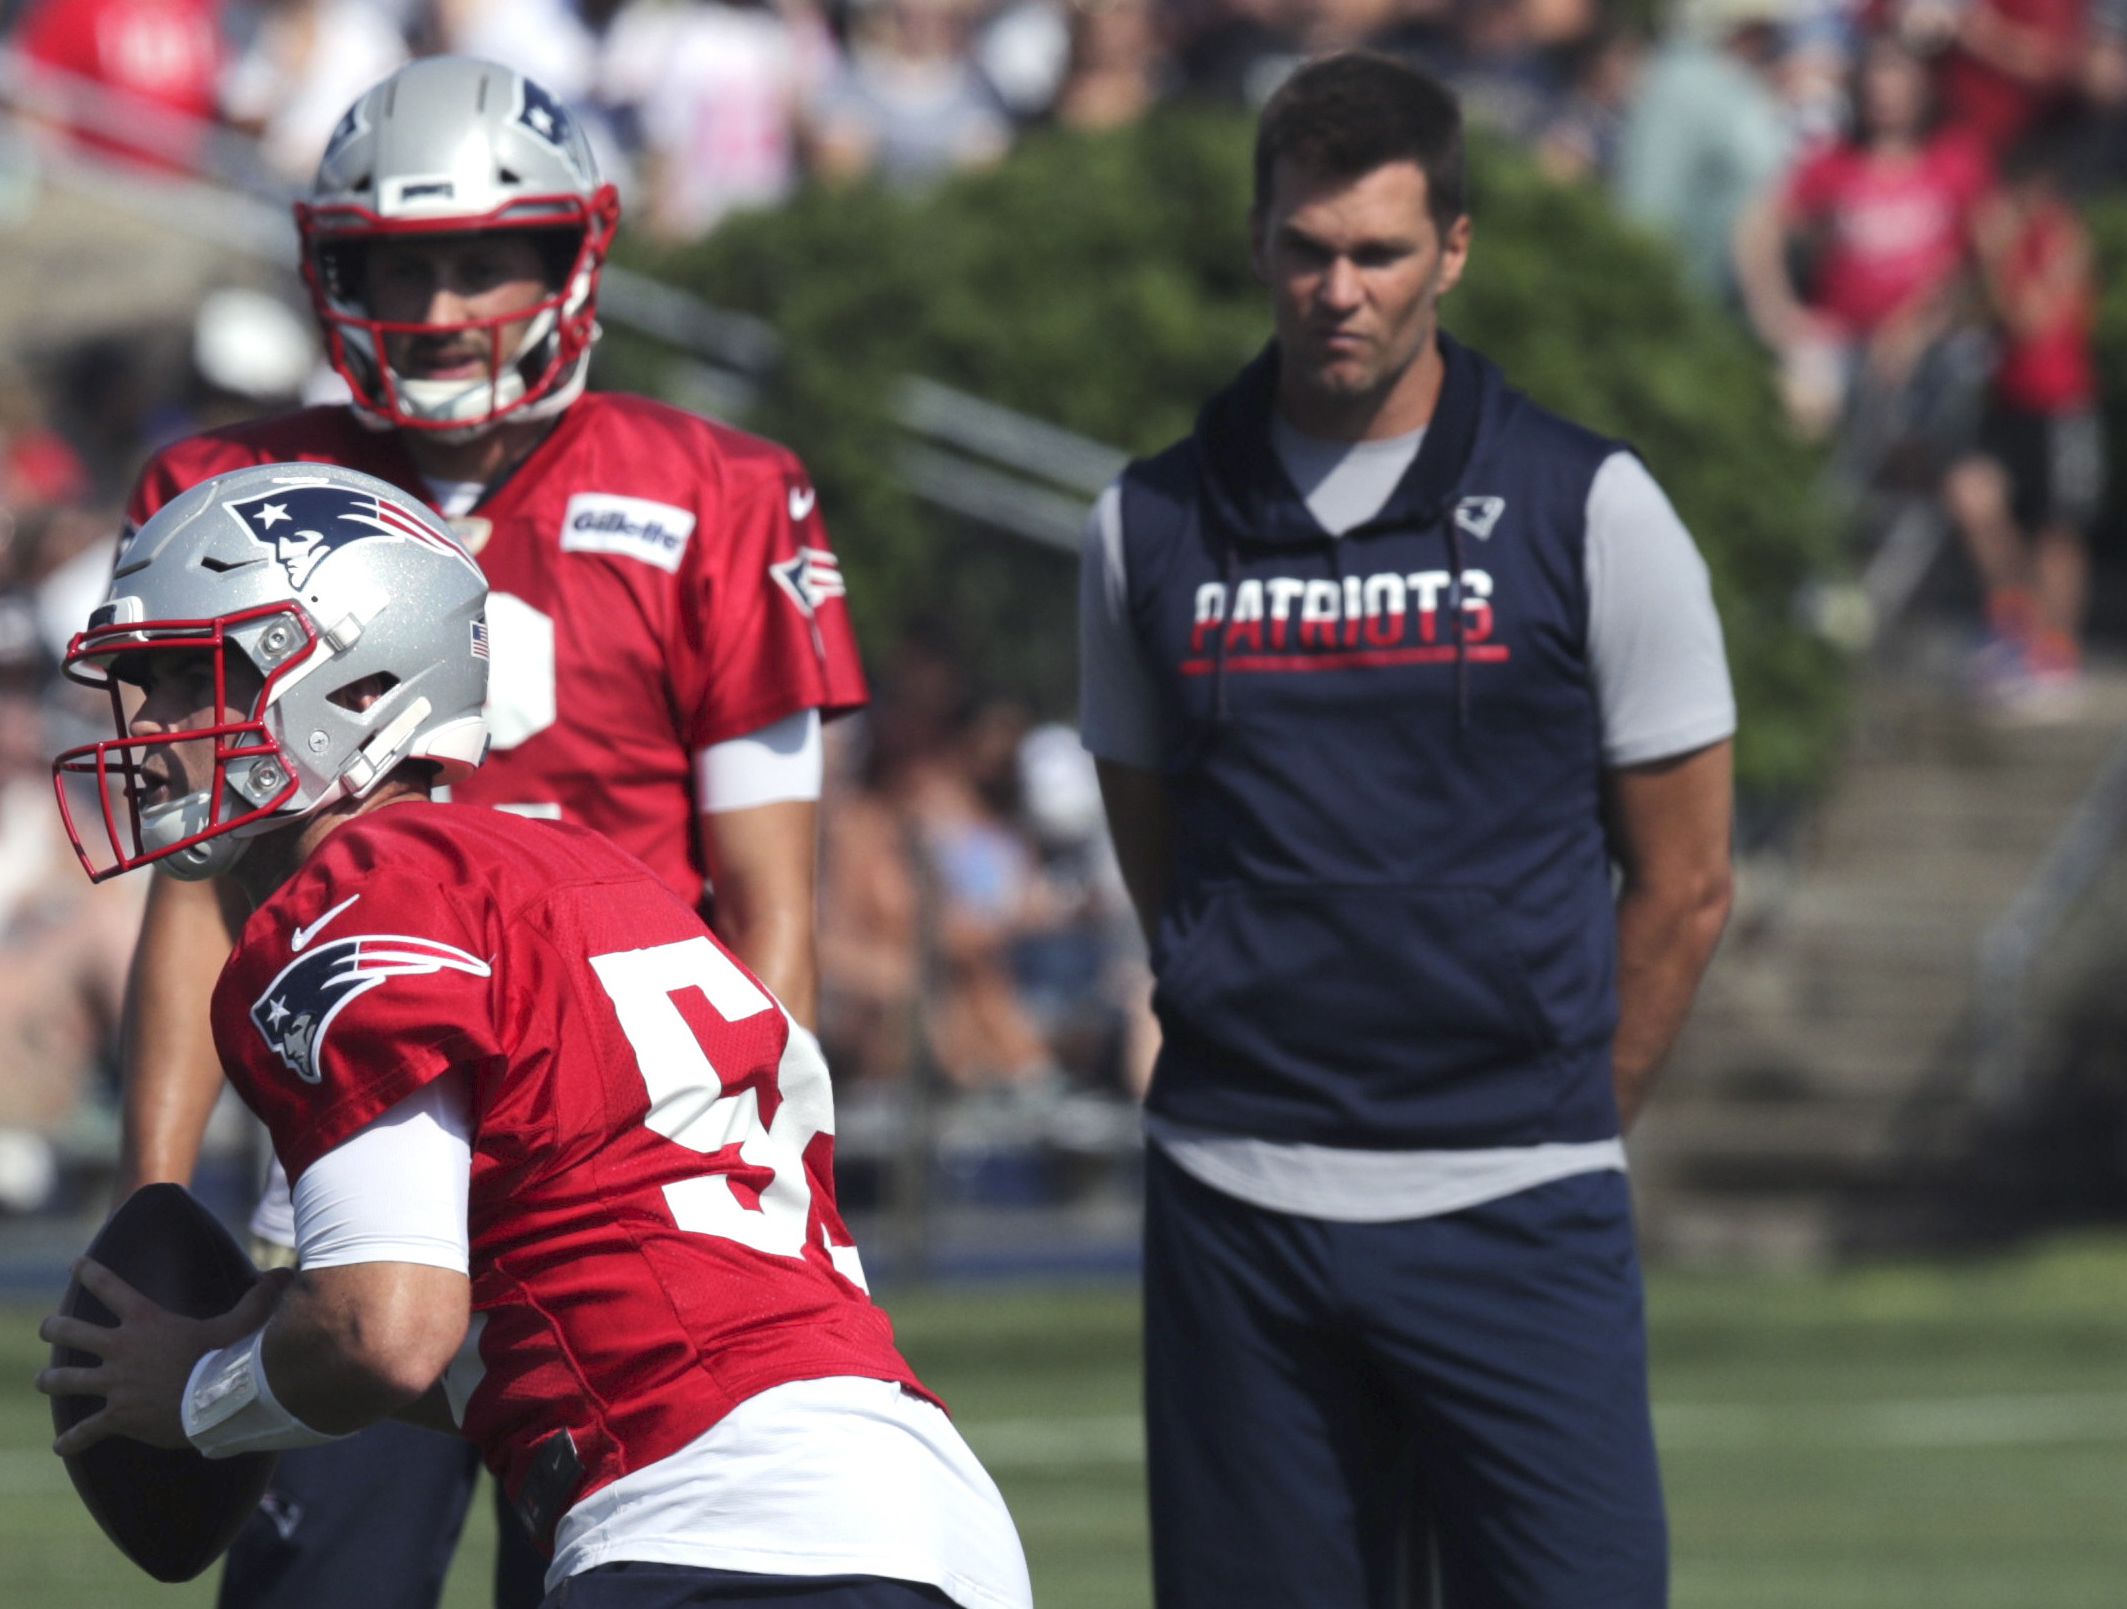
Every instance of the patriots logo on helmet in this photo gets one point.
(301, 522)
(549, 119)
(350, 124)
(299, 1007)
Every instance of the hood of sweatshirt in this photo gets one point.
(1252, 502)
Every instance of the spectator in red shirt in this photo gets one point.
(2025, 499)
(2011, 63)
(147, 58)
(1884, 216)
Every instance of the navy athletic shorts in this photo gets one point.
(370, 1522)
(1326, 1402)
(683, 1586)
(2055, 463)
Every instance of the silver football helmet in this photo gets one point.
(452, 146)
(300, 581)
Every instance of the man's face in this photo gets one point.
(455, 280)
(1894, 92)
(1356, 269)
(176, 695)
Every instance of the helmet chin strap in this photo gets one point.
(554, 402)
(384, 750)
(172, 823)
(438, 401)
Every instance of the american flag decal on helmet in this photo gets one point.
(809, 578)
(480, 638)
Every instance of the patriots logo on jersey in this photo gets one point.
(300, 522)
(1478, 515)
(299, 1007)
(809, 577)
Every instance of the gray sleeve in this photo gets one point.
(1118, 702)
(1654, 640)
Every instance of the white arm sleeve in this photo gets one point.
(1654, 640)
(775, 765)
(394, 1191)
(1118, 703)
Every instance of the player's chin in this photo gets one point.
(1344, 375)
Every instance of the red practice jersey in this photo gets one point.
(2051, 368)
(660, 584)
(1895, 231)
(654, 1235)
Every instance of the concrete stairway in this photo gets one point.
(1822, 1090)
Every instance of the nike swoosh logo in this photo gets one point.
(303, 935)
(802, 499)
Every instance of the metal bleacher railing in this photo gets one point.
(2012, 948)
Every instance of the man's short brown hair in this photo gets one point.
(1345, 115)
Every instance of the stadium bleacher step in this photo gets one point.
(1823, 1088)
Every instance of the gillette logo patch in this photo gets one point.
(632, 527)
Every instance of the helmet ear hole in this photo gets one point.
(358, 696)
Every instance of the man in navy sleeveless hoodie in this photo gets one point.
(1413, 724)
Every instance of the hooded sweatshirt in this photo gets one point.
(1390, 924)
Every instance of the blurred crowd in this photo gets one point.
(1889, 193)
(704, 106)
(64, 947)
(967, 870)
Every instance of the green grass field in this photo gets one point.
(1939, 1436)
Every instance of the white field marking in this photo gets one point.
(1940, 1422)
(1921, 1423)
(1838, 1584)
(1058, 1443)
(1946, 1422)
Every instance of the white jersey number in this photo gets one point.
(689, 1107)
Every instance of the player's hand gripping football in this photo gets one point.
(147, 1357)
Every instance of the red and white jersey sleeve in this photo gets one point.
(768, 634)
(376, 979)
(653, 1230)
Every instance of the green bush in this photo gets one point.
(2108, 229)
(1102, 283)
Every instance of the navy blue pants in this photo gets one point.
(1317, 1395)
(371, 1522)
(683, 1586)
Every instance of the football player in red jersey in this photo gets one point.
(563, 1168)
(667, 627)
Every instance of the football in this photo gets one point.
(172, 1511)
